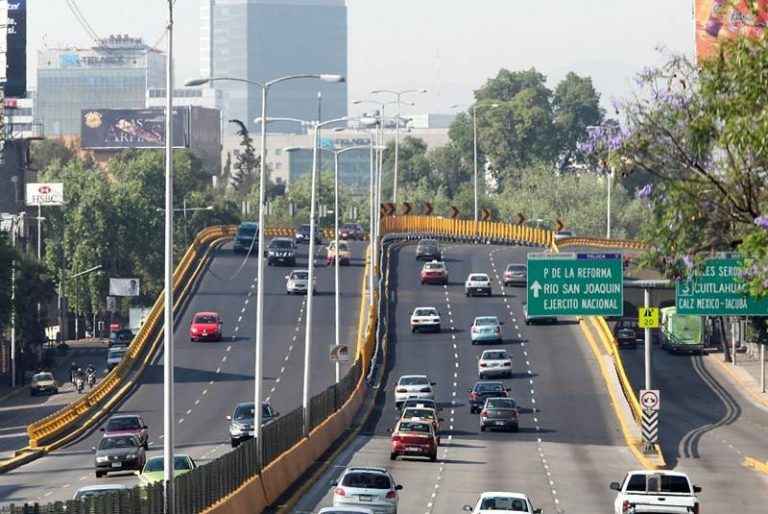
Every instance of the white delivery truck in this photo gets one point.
(656, 492)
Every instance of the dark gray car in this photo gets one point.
(119, 453)
(499, 414)
(241, 421)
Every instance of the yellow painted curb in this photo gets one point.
(757, 465)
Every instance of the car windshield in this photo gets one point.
(246, 412)
(246, 232)
(281, 243)
(502, 504)
(300, 275)
(412, 381)
(489, 387)
(114, 443)
(495, 355)
(348, 226)
(304, 229)
(516, 267)
(422, 428)
(434, 266)
(486, 322)
(122, 334)
(417, 402)
(81, 495)
(118, 424)
(499, 403)
(428, 243)
(116, 353)
(155, 464)
(40, 377)
(478, 277)
(425, 312)
(205, 318)
(364, 480)
(419, 413)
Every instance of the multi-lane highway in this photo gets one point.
(569, 447)
(212, 377)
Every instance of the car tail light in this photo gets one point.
(391, 495)
(626, 506)
(425, 390)
(498, 330)
(194, 330)
(396, 439)
(483, 365)
(339, 491)
(402, 390)
(507, 364)
(484, 413)
(473, 395)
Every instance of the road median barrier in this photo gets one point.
(595, 242)
(68, 423)
(757, 465)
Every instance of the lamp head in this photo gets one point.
(196, 82)
(325, 77)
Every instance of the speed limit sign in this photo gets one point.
(650, 399)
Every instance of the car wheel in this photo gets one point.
(433, 457)
(438, 329)
(413, 330)
(482, 428)
(235, 443)
(392, 456)
(99, 474)
(515, 428)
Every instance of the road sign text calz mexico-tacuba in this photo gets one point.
(718, 291)
(575, 284)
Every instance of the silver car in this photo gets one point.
(297, 282)
(241, 421)
(373, 488)
(494, 363)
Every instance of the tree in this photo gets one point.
(246, 162)
(43, 153)
(576, 106)
(412, 165)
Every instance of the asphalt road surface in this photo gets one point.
(211, 378)
(569, 446)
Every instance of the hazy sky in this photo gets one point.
(449, 47)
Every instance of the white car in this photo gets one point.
(373, 488)
(494, 363)
(425, 318)
(656, 491)
(495, 502)
(564, 234)
(414, 386)
(297, 282)
(345, 510)
(477, 283)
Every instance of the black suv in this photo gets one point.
(281, 250)
(302, 235)
(428, 250)
(246, 233)
(628, 333)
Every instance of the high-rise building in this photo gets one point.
(115, 74)
(260, 40)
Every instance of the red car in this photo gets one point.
(414, 438)
(206, 326)
(127, 424)
(434, 272)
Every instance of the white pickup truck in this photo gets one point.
(656, 492)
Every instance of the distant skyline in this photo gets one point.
(450, 47)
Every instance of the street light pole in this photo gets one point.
(336, 281)
(608, 210)
(169, 417)
(474, 147)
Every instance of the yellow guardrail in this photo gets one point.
(55, 424)
(602, 243)
(449, 227)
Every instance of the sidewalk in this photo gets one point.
(745, 374)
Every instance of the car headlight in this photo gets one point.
(130, 456)
(194, 330)
(102, 459)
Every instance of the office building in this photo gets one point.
(196, 97)
(115, 74)
(260, 40)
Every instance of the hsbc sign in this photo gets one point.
(42, 194)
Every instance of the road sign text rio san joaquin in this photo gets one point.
(575, 284)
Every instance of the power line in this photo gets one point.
(77, 13)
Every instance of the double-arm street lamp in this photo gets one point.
(184, 210)
(474, 107)
(397, 95)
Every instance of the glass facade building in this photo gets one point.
(113, 75)
(261, 40)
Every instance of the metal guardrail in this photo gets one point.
(602, 243)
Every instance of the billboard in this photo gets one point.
(44, 193)
(124, 287)
(131, 128)
(717, 20)
(15, 47)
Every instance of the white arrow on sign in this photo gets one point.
(536, 288)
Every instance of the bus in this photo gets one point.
(682, 334)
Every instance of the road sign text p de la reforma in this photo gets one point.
(575, 284)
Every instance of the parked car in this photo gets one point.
(486, 329)
(628, 333)
(484, 390)
(494, 363)
(247, 237)
(414, 439)
(206, 326)
(118, 453)
(281, 250)
(344, 253)
(656, 491)
(297, 282)
(127, 424)
(477, 283)
(352, 231)
(425, 318)
(153, 470)
(369, 487)
(515, 275)
(92, 491)
(122, 337)
(241, 422)
(413, 386)
(499, 414)
(434, 272)
(502, 502)
(535, 320)
(428, 250)
(115, 355)
(43, 383)
(302, 235)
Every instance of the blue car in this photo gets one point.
(486, 329)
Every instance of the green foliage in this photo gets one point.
(576, 106)
(44, 153)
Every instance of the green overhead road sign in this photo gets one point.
(575, 284)
(717, 291)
